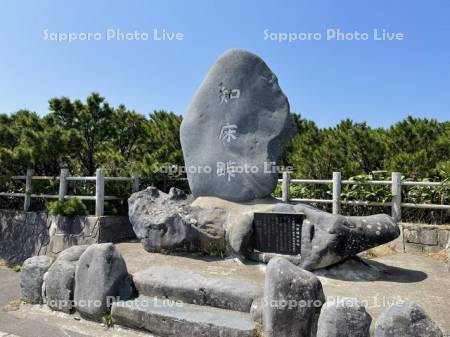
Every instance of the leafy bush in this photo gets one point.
(68, 207)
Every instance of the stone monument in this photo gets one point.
(233, 137)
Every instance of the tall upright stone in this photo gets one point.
(293, 298)
(100, 276)
(32, 277)
(235, 129)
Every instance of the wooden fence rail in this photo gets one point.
(396, 184)
(64, 179)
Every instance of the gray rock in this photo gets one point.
(176, 194)
(100, 276)
(22, 235)
(343, 318)
(292, 300)
(31, 278)
(189, 286)
(406, 320)
(326, 238)
(162, 317)
(235, 129)
(60, 279)
(239, 237)
(329, 238)
(256, 311)
(168, 222)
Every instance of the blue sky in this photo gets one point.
(380, 82)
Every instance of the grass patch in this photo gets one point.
(380, 251)
(107, 320)
(259, 331)
(17, 268)
(14, 267)
(12, 306)
(440, 256)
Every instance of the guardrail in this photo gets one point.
(64, 180)
(396, 184)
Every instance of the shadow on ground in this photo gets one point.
(362, 270)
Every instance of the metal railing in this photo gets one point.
(396, 184)
(64, 180)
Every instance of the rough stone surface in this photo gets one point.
(429, 237)
(236, 125)
(256, 311)
(66, 231)
(168, 222)
(412, 235)
(31, 278)
(326, 238)
(100, 273)
(60, 279)
(22, 235)
(170, 318)
(26, 234)
(193, 287)
(343, 318)
(239, 236)
(444, 236)
(406, 320)
(292, 300)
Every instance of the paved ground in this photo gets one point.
(398, 277)
(405, 276)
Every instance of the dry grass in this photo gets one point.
(14, 267)
(384, 250)
(12, 306)
(259, 331)
(440, 256)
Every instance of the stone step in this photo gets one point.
(166, 318)
(195, 287)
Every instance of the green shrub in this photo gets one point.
(70, 207)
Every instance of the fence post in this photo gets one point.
(28, 190)
(99, 192)
(135, 182)
(337, 186)
(285, 186)
(63, 184)
(396, 191)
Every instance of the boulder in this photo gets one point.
(168, 222)
(343, 318)
(60, 279)
(235, 129)
(292, 300)
(406, 320)
(101, 277)
(32, 276)
(330, 238)
(174, 221)
(326, 238)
